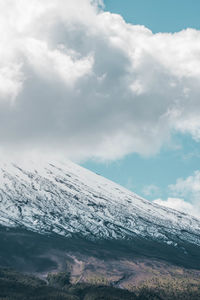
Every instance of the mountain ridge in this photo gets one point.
(65, 198)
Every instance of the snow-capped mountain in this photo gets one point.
(67, 199)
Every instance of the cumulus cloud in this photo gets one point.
(151, 190)
(179, 205)
(77, 80)
(188, 191)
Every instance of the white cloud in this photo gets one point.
(151, 190)
(188, 193)
(180, 205)
(11, 82)
(189, 187)
(56, 64)
(85, 83)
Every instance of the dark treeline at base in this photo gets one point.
(16, 286)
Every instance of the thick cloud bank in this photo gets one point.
(80, 81)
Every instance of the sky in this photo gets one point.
(158, 15)
(113, 85)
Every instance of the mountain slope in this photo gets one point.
(62, 218)
(66, 199)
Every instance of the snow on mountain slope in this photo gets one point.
(64, 198)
